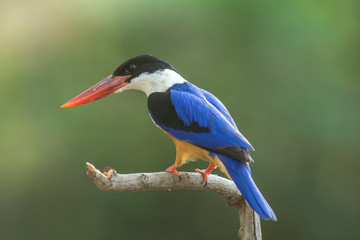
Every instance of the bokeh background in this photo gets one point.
(288, 71)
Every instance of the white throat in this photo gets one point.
(159, 81)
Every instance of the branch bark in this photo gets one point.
(110, 181)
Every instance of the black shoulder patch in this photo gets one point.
(164, 113)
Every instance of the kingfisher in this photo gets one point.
(198, 123)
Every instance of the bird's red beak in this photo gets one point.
(102, 89)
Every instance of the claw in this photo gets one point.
(172, 169)
(206, 172)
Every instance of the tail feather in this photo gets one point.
(241, 175)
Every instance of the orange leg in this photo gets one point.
(206, 172)
(172, 169)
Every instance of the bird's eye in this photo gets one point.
(131, 68)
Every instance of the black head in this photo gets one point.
(141, 64)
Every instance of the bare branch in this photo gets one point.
(111, 181)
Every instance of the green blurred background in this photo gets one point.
(288, 71)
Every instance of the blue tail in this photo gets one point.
(241, 175)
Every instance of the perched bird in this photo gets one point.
(198, 123)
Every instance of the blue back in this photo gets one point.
(194, 105)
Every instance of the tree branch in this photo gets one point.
(110, 181)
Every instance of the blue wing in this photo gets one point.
(217, 104)
(194, 107)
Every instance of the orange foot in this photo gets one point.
(206, 172)
(172, 169)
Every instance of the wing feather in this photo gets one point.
(201, 120)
